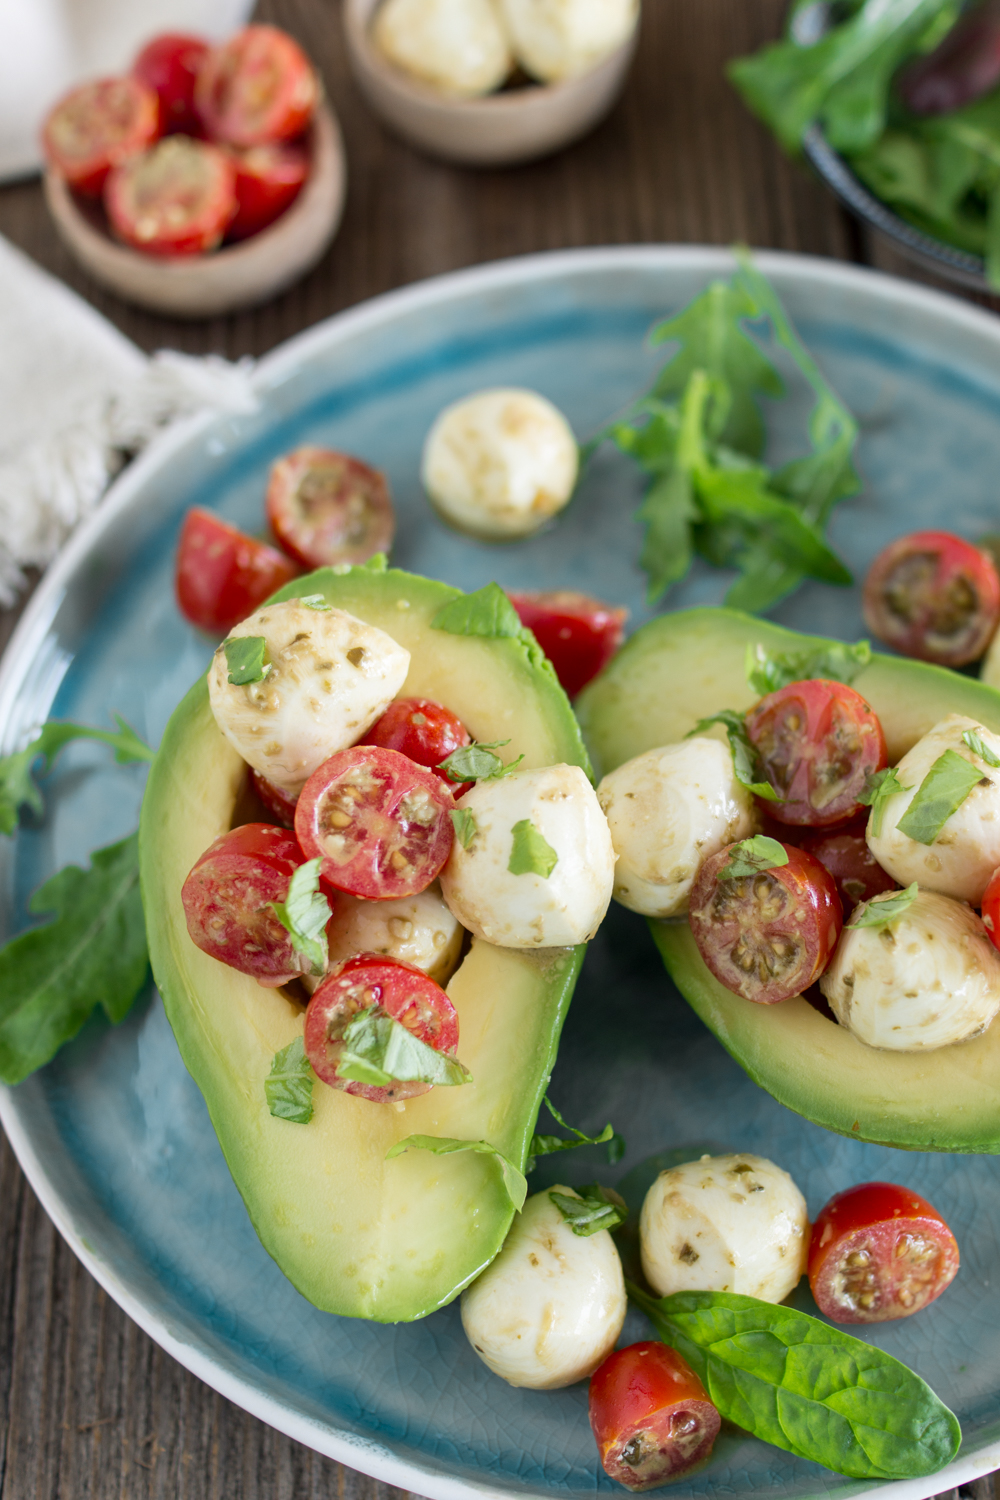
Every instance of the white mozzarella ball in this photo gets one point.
(417, 930)
(556, 39)
(532, 910)
(330, 677)
(966, 852)
(669, 810)
(928, 978)
(548, 1310)
(732, 1223)
(459, 47)
(499, 464)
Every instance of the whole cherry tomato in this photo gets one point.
(258, 87)
(398, 990)
(98, 125)
(326, 507)
(268, 180)
(378, 821)
(768, 935)
(223, 575)
(423, 730)
(845, 853)
(174, 199)
(579, 635)
(279, 802)
(933, 596)
(991, 909)
(879, 1251)
(169, 65)
(227, 900)
(818, 742)
(651, 1416)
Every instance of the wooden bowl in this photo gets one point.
(493, 130)
(201, 286)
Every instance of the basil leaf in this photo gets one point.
(487, 612)
(751, 856)
(476, 762)
(810, 1389)
(245, 659)
(17, 788)
(942, 792)
(304, 914)
(315, 601)
(288, 1087)
(379, 1051)
(881, 910)
(879, 787)
(746, 762)
(767, 671)
(513, 1180)
(546, 1145)
(530, 853)
(979, 747)
(464, 825)
(377, 563)
(595, 1208)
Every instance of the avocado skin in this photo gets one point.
(357, 1235)
(686, 666)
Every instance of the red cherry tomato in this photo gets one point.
(377, 820)
(766, 936)
(933, 596)
(268, 179)
(818, 742)
(877, 1252)
(326, 507)
(991, 909)
(579, 635)
(175, 199)
(258, 87)
(424, 731)
(226, 901)
(277, 801)
(223, 575)
(651, 1416)
(401, 991)
(170, 65)
(845, 853)
(97, 126)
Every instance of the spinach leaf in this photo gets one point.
(17, 788)
(487, 612)
(751, 856)
(767, 671)
(881, 910)
(514, 1181)
(941, 793)
(746, 761)
(530, 852)
(594, 1208)
(304, 914)
(288, 1087)
(546, 1145)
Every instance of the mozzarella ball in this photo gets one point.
(724, 1224)
(548, 1310)
(966, 852)
(417, 930)
(928, 978)
(668, 811)
(556, 39)
(330, 677)
(532, 910)
(459, 47)
(500, 463)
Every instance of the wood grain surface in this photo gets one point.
(90, 1408)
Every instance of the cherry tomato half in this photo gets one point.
(97, 126)
(651, 1416)
(991, 909)
(378, 821)
(818, 742)
(268, 180)
(258, 87)
(423, 730)
(401, 991)
(174, 199)
(766, 936)
(326, 507)
(933, 596)
(223, 574)
(277, 801)
(227, 900)
(879, 1251)
(579, 635)
(845, 853)
(170, 65)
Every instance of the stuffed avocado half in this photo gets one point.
(357, 1234)
(686, 666)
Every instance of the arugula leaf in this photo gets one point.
(93, 951)
(17, 787)
(530, 853)
(514, 1181)
(379, 1050)
(767, 671)
(746, 761)
(546, 1145)
(487, 612)
(979, 747)
(668, 511)
(810, 1389)
(464, 825)
(941, 793)
(881, 910)
(594, 1209)
(879, 787)
(304, 914)
(245, 659)
(476, 762)
(751, 856)
(288, 1087)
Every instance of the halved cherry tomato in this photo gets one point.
(258, 87)
(879, 1251)
(223, 574)
(991, 909)
(175, 199)
(377, 820)
(275, 798)
(845, 853)
(933, 596)
(326, 507)
(766, 936)
(818, 742)
(578, 634)
(423, 730)
(399, 990)
(170, 65)
(227, 900)
(98, 125)
(651, 1416)
(268, 180)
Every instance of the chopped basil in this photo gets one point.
(476, 762)
(767, 671)
(17, 787)
(380, 1051)
(513, 1180)
(377, 563)
(596, 1208)
(304, 914)
(746, 762)
(881, 910)
(288, 1087)
(546, 1145)
(879, 787)
(751, 856)
(530, 853)
(464, 825)
(941, 793)
(486, 612)
(979, 747)
(245, 657)
(315, 601)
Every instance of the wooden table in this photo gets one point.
(90, 1408)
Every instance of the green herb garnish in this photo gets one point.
(941, 793)
(487, 612)
(596, 1208)
(17, 787)
(245, 658)
(979, 747)
(767, 671)
(464, 825)
(546, 1145)
(380, 1051)
(288, 1087)
(746, 761)
(879, 787)
(315, 601)
(751, 856)
(476, 762)
(530, 853)
(881, 910)
(514, 1181)
(304, 914)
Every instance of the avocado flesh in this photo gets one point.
(356, 1234)
(686, 666)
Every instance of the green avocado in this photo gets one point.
(686, 666)
(356, 1234)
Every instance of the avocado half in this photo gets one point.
(356, 1234)
(685, 666)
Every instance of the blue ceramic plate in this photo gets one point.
(114, 1136)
